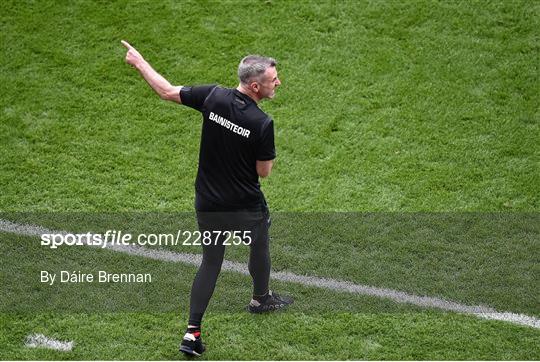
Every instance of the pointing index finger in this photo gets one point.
(126, 44)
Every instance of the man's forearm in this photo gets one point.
(159, 84)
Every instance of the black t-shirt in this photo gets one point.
(235, 134)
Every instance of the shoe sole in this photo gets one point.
(255, 311)
(189, 351)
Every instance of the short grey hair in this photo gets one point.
(253, 66)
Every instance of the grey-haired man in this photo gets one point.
(237, 147)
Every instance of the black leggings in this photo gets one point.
(257, 221)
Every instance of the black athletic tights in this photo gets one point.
(259, 257)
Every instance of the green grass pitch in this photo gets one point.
(420, 118)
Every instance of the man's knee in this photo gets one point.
(213, 255)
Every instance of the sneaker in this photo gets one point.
(191, 345)
(272, 303)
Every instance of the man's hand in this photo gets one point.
(159, 84)
(133, 57)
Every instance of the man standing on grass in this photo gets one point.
(237, 147)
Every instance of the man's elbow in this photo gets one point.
(264, 168)
(172, 94)
(264, 173)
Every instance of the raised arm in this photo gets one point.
(159, 84)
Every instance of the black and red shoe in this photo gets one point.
(192, 344)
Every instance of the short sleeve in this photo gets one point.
(194, 97)
(266, 149)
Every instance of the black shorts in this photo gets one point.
(254, 220)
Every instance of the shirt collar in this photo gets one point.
(244, 96)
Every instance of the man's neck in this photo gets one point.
(248, 93)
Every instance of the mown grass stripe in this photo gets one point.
(306, 280)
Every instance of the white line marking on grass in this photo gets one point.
(41, 341)
(331, 284)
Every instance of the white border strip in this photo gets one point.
(42, 341)
(331, 284)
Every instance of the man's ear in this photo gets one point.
(254, 87)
